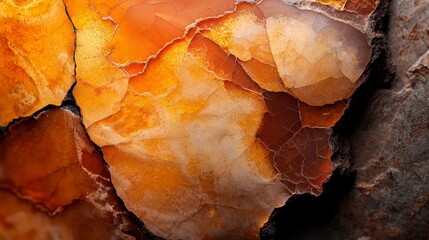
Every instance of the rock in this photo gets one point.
(36, 63)
(389, 145)
(210, 114)
(54, 184)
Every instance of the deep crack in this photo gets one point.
(70, 103)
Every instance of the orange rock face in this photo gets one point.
(210, 114)
(106, 49)
(53, 182)
(36, 56)
(218, 118)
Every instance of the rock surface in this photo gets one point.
(197, 148)
(210, 121)
(390, 144)
(54, 184)
(36, 56)
(387, 194)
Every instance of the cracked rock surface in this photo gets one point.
(386, 195)
(196, 119)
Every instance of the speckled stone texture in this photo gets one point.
(384, 194)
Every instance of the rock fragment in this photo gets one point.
(54, 183)
(36, 56)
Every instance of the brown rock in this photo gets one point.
(389, 144)
(53, 182)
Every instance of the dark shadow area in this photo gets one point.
(141, 225)
(306, 216)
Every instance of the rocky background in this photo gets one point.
(381, 187)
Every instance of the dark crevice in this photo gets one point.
(379, 74)
(306, 216)
(309, 217)
(4, 130)
(69, 103)
(141, 226)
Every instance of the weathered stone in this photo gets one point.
(389, 145)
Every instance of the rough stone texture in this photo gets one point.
(386, 196)
(384, 193)
(390, 145)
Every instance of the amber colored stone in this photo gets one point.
(319, 60)
(361, 7)
(114, 34)
(314, 58)
(49, 161)
(266, 76)
(334, 3)
(216, 119)
(242, 33)
(210, 114)
(172, 144)
(325, 116)
(20, 220)
(36, 56)
(168, 141)
(162, 21)
(300, 154)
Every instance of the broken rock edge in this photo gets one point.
(373, 38)
(378, 74)
(377, 41)
(69, 103)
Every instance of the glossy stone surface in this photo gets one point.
(210, 114)
(318, 60)
(54, 183)
(36, 56)
(218, 93)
